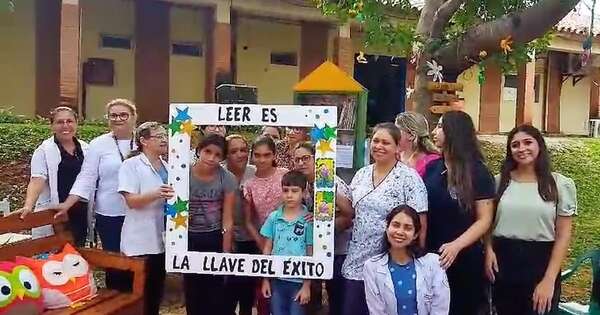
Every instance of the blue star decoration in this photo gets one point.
(170, 210)
(183, 115)
(317, 134)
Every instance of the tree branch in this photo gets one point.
(427, 14)
(524, 27)
(443, 15)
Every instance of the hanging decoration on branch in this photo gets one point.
(435, 70)
(587, 43)
(505, 44)
(361, 57)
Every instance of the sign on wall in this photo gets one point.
(322, 123)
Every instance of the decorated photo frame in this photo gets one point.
(322, 122)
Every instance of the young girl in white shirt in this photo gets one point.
(143, 181)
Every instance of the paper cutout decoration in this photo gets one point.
(324, 205)
(180, 221)
(324, 173)
(435, 70)
(175, 126)
(183, 115)
(324, 146)
(505, 44)
(20, 291)
(316, 134)
(65, 278)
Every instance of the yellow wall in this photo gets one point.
(17, 58)
(261, 37)
(187, 73)
(574, 107)
(113, 17)
(508, 108)
(470, 93)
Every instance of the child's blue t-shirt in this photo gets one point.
(404, 278)
(290, 238)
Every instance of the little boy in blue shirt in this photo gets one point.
(288, 233)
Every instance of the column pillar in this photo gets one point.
(70, 43)
(218, 48)
(47, 55)
(525, 93)
(595, 93)
(313, 46)
(152, 53)
(490, 98)
(554, 90)
(344, 50)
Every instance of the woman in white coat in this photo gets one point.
(55, 165)
(402, 280)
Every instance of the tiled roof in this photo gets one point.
(578, 22)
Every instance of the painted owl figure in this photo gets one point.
(20, 291)
(65, 278)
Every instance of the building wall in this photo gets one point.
(94, 23)
(17, 56)
(508, 108)
(256, 39)
(187, 73)
(575, 107)
(471, 92)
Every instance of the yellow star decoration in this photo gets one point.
(187, 127)
(180, 220)
(324, 146)
(505, 44)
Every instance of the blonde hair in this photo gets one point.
(417, 125)
(124, 102)
(143, 131)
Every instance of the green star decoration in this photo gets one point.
(180, 205)
(175, 126)
(329, 132)
(328, 197)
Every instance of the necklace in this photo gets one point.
(119, 149)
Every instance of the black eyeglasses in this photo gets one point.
(304, 159)
(117, 116)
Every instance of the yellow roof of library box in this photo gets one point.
(328, 78)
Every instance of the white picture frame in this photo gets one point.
(322, 121)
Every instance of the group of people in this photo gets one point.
(424, 229)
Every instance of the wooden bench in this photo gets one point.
(107, 302)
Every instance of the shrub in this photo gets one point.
(18, 141)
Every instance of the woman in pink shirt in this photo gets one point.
(415, 146)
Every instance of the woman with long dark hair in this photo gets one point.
(210, 222)
(532, 227)
(403, 279)
(376, 190)
(461, 195)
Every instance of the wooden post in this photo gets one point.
(525, 93)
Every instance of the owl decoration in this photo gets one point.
(20, 291)
(65, 278)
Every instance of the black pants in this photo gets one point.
(204, 294)
(467, 282)
(78, 223)
(109, 229)
(241, 290)
(335, 287)
(155, 283)
(522, 265)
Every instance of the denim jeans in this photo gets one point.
(109, 229)
(355, 302)
(283, 294)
